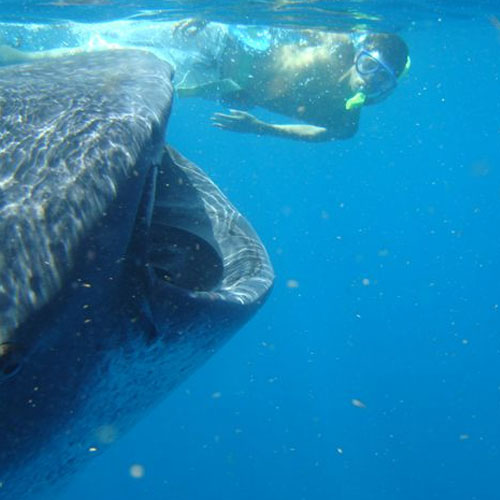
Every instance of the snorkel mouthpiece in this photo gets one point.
(356, 101)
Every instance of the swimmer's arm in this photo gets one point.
(299, 132)
(240, 121)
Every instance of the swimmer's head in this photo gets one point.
(380, 59)
(392, 49)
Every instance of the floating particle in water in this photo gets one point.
(216, 395)
(292, 284)
(365, 281)
(137, 471)
(358, 403)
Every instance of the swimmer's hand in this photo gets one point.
(189, 27)
(241, 121)
(237, 121)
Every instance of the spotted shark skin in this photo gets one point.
(123, 267)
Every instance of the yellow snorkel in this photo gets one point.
(356, 101)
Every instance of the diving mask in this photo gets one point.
(378, 77)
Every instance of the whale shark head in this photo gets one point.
(123, 266)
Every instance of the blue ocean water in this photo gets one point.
(373, 370)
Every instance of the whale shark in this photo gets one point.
(123, 266)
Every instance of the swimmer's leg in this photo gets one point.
(209, 90)
(10, 55)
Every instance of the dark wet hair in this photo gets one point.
(392, 47)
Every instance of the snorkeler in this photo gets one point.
(321, 79)
(318, 78)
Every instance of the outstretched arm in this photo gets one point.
(241, 121)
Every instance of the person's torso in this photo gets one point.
(302, 78)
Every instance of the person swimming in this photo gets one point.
(321, 79)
